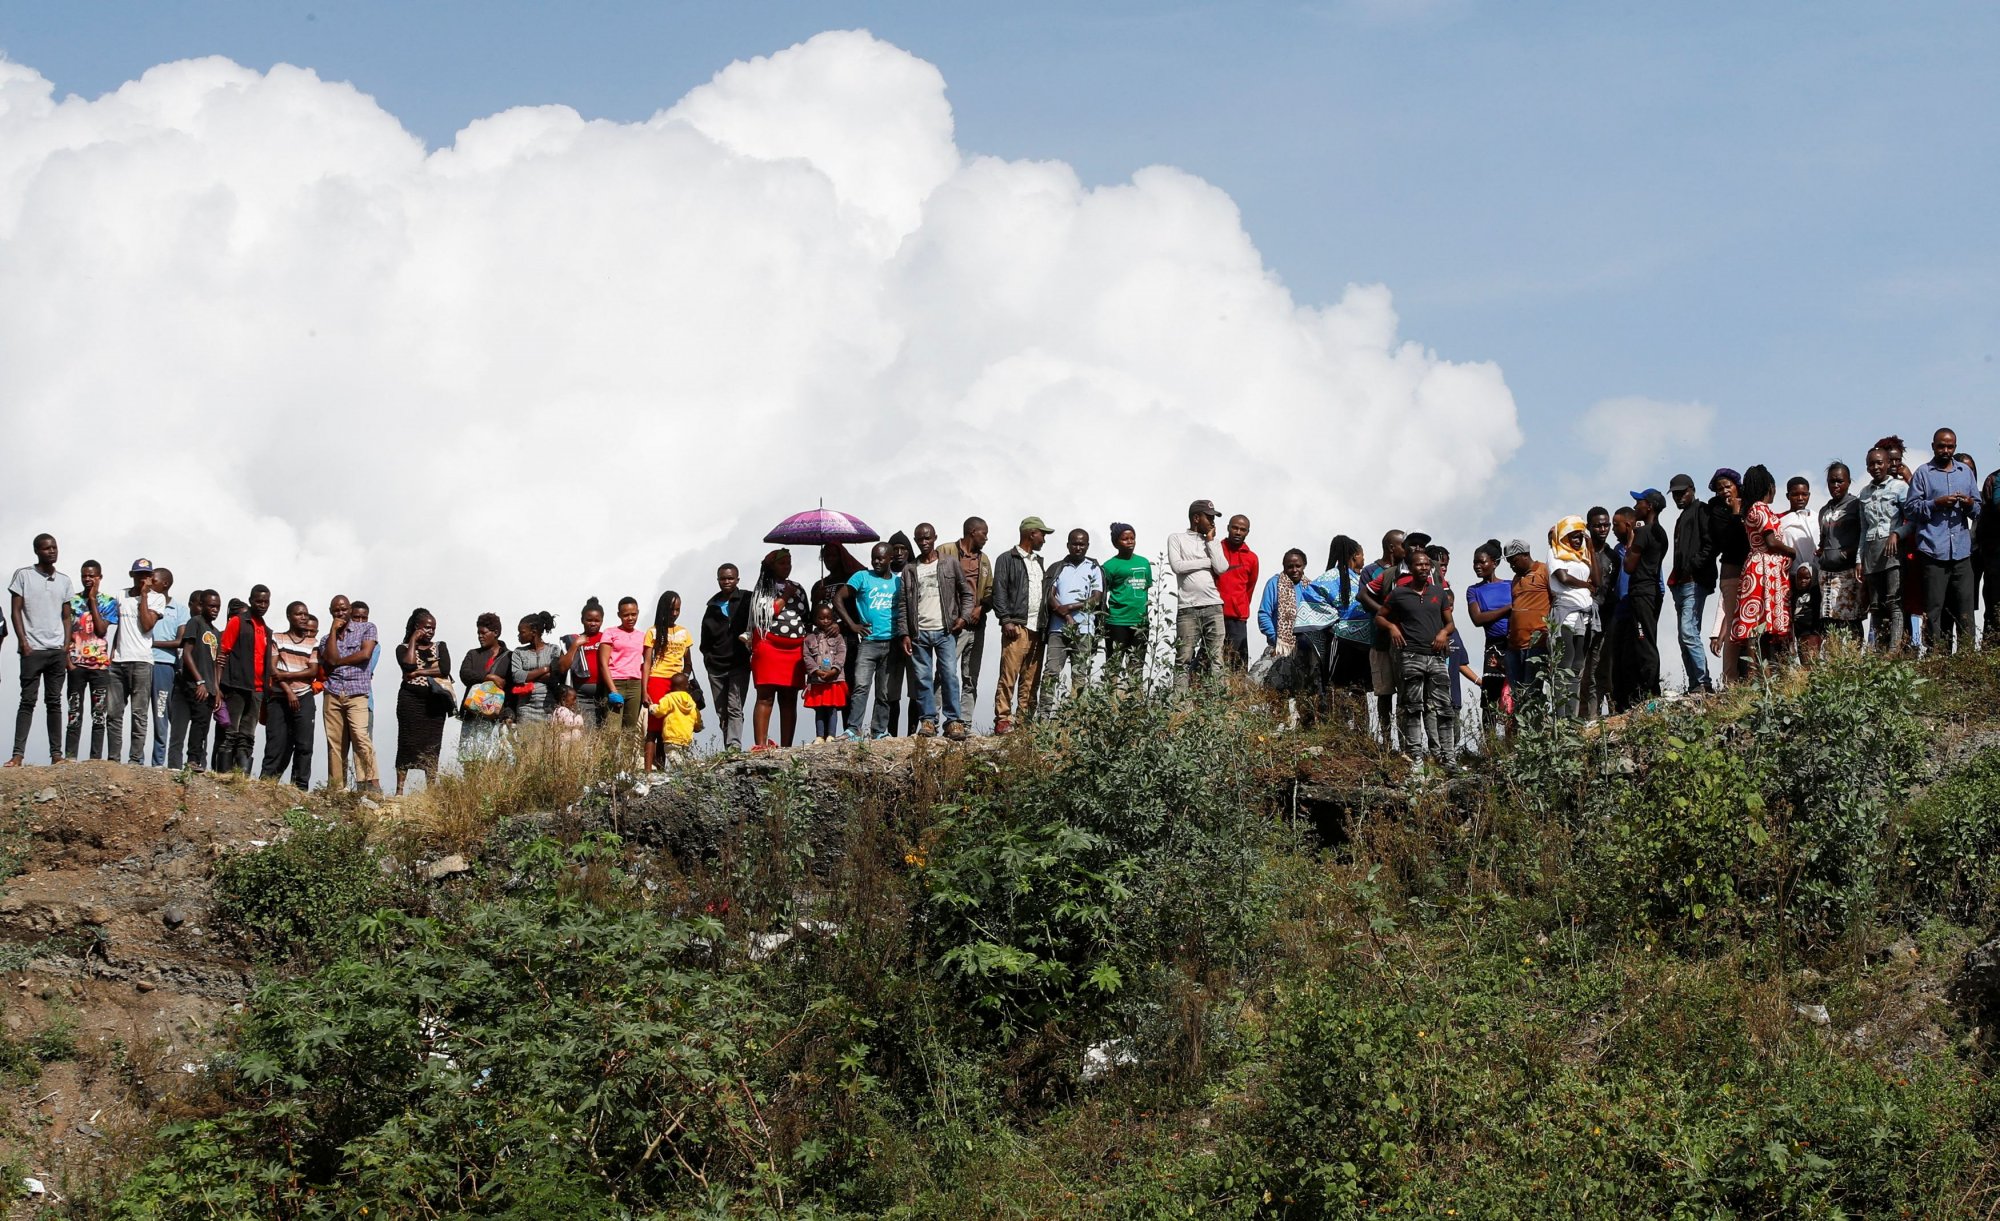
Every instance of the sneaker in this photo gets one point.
(882, 735)
(957, 731)
(1002, 726)
(927, 729)
(852, 735)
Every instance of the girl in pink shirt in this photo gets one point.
(628, 663)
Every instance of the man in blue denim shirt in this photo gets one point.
(1941, 506)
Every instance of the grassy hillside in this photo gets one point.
(1701, 964)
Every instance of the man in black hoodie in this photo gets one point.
(725, 650)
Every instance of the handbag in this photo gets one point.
(440, 694)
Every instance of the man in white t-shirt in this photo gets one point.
(139, 608)
(38, 598)
(166, 660)
(938, 595)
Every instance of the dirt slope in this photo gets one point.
(111, 913)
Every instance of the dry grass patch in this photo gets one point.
(537, 767)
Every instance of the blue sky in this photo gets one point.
(1786, 212)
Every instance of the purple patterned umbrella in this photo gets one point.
(822, 525)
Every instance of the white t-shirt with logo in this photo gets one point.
(135, 643)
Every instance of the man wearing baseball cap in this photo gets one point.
(1637, 668)
(1692, 578)
(1196, 557)
(139, 609)
(1023, 612)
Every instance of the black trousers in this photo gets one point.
(1636, 674)
(49, 667)
(188, 720)
(1236, 644)
(1949, 598)
(239, 737)
(288, 737)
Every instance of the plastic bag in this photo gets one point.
(485, 700)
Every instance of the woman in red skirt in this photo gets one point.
(777, 648)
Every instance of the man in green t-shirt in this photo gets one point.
(1127, 577)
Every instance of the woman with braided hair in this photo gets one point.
(778, 626)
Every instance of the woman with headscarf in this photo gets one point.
(778, 624)
(1764, 598)
(1572, 608)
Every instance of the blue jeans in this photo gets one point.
(871, 670)
(163, 690)
(935, 656)
(1689, 601)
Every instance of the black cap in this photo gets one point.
(1681, 483)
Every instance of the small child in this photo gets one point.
(680, 717)
(667, 644)
(566, 717)
(826, 673)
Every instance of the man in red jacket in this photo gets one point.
(1237, 586)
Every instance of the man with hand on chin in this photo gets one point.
(1196, 557)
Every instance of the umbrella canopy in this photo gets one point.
(822, 526)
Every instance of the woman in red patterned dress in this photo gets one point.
(1764, 600)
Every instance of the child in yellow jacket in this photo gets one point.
(680, 716)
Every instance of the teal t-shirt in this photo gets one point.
(875, 602)
(1125, 586)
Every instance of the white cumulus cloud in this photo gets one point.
(255, 330)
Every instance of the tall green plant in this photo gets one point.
(1841, 753)
(1137, 840)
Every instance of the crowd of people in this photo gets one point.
(897, 643)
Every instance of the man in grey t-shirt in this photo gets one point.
(38, 607)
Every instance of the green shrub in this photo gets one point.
(299, 897)
(1688, 853)
(545, 1055)
(1474, 1089)
(1840, 753)
(1133, 838)
(1951, 841)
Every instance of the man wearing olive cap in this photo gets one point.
(1196, 557)
(1023, 614)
